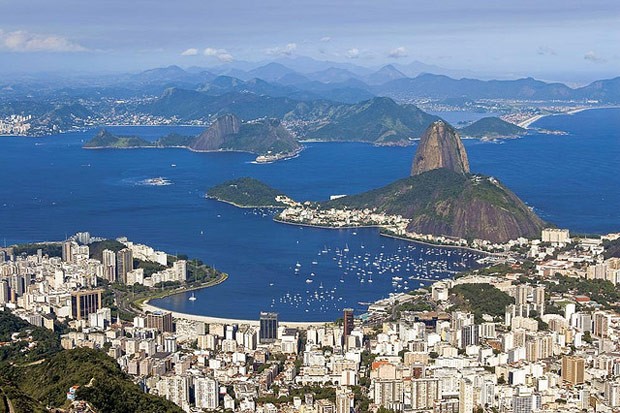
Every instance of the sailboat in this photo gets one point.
(192, 298)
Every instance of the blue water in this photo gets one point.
(51, 187)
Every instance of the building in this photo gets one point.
(85, 302)
(108, 259)
(348, 324)
(421, 394)
(206, 393)
(555, 236)
(573, 369)
(160, 320)
(124, 264)
(67, 251)
(345, 400)
(466, 396)
(268, 327)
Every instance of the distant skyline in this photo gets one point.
(565, 40)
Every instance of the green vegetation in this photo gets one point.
(37, 375)
(105, 139)
(96, 248)
(246, 192)
(443, 202)
(51, 249)
(379, 120)
(601, 291)
(612, 248)
(18, 351)
(149, 267)
(492, 127)
(481, 299)
(101, 382)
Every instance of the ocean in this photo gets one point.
(51, 188)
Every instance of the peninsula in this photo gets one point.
(492, 128)
(247, 193)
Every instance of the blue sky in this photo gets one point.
(550, 39)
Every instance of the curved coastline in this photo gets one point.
(146, 306)
(381, 233)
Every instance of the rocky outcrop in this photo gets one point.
(265, 137)
(214, 137)
(440, 147)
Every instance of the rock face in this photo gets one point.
(264, 137)
(440, 147)
(214, 137)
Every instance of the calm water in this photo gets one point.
(51, 187)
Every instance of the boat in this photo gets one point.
(308, 280)
(192, 298)
(298, 264)
(346, 248)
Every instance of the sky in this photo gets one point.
(568, 40)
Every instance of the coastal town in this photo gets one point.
(535, 332)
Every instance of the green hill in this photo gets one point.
(443, 202)
(246, 193)
(39, 375)
(380, 120)
(492, 127)
(105, 139)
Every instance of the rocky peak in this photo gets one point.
(440, 147)
(213, 137)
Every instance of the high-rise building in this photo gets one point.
(612, 394)
(345, 400)
(348, 324)
(67, 251)
(160, 320)
(85, 302)
(108, 259)
(466, 396)
(268, 327)
(421, 394)
(470, 335)
(525, 401)
(573, 369)
(4, 292)
(124, 264)
(206, 393)
(389, 393)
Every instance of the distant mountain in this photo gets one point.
(191, 105)
(492, 127)
(439, 87)
(442, 198)
(379, 120)
(271, 72)
(602, 90)
(332, 75)
(440, 147)
(259, 137)
(171, 74)
(384, 75)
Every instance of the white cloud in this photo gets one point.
(593, 57)
(546, 50)
(221, 54)
(353, 53)
(398, 53)
(282, 51)
(325, 39)
(190, 52)
(23, 41)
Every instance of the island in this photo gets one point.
(266, 138)
(441, 201)
(492, 128)
(247, 192)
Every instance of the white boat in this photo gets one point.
(192, 298)
(298, 264)
(308, 281)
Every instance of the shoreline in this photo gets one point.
(244, 206)
(381, 233)
(527, 123)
